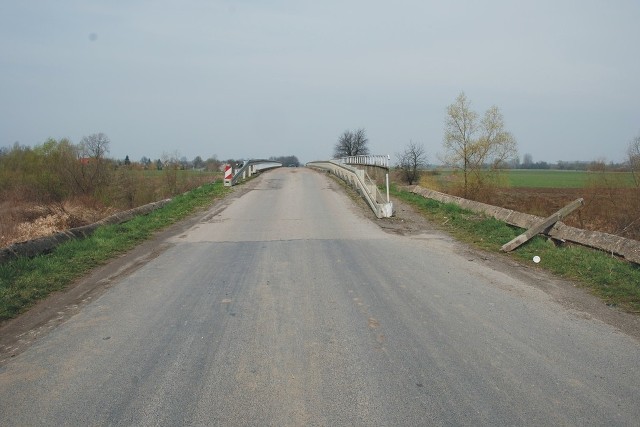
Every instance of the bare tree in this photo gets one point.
(170, 166)
(93, 171)
(460, 126)
(411, 160)
(351, 143)
(633, 154)
(476, 147)
(95, 145)
(213, 164)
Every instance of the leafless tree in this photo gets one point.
(95, 145)
(170, 167)
(633, 154)
(411, 160)
(351, 143)
(92, 172)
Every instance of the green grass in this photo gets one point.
(546, 179)
(24, 281)
(616, 282)
(525, 178)
(565, 179)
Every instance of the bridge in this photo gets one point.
(354, 170)
(376, 166)
(248, 168)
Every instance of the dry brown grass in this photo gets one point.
(21, 221)
(607, 208)
(25, 217)
(614, 211)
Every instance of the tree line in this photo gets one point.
(58, 170)
(577, 165)
(286, 160)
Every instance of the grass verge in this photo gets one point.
(616, 282)
(25, 280)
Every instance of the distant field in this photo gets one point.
(521, 178)
(566, 179)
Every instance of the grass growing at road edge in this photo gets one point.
(24, 281)
(616, 282)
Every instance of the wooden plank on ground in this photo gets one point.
(542, 226)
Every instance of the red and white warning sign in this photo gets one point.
(228, 175)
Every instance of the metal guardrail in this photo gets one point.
(358, 178)
(368, 160)
(249, 167)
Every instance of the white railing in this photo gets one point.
(368, 160)
(358, 178)
(249, 167)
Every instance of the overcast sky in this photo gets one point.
(260, 78)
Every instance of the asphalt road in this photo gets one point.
(290, 308)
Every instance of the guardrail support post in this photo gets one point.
(387, 179)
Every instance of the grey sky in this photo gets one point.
(261, 78)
